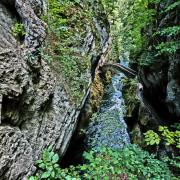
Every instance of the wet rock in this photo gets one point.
(173, 96)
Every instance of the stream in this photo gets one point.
(108, 127)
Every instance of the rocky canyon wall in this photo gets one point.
(36, 110)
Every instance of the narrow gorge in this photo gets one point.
(89, 89)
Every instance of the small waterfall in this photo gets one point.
(108, 127)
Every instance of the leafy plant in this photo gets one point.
(147, 58)
(48, 164)
(45, 55)
(169, 137)
(152, 138)
(63, 45)
(176, 126)
(136, 26)
(175, 161)
(18, 30)
(130, 163)
(170, 44)
(50, 169)
(171, 6)
(170, 31)
(140, 15)
(168, 47)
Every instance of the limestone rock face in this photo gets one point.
(35, 109)
(8, 18)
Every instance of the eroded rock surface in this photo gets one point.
(8, 18)
(36, 110)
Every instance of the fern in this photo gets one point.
(168, 47)
(172, 6)
(170, 31)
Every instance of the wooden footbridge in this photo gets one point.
(118, 67)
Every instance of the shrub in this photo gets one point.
(50, 169)
(168, 47)
(152, 138)
(169, 137)
(130, 163)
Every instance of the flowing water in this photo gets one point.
(108, 127)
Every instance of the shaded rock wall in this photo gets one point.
(161, 79)
(36, 110)
(8, 17)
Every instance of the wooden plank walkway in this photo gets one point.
(115, 66)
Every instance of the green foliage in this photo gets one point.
(176, 126)
(66, 28)
(50, 169)
(31, 56)
(168, 47)
(171, 6)
(170, 31)
(129, 24)
(147, 58)
(169, 137)
(139, 16)
(175, 161)
(174, 164)
(152, 138)
(45, 55)
(134, 26)
(48, 164)
(131, 163)
(109, 6)
(18, 30)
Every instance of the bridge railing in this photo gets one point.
(115, 66)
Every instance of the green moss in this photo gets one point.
(67, 24)
(18, 30)
(129, 92)
(97, 92)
